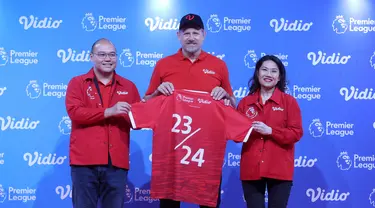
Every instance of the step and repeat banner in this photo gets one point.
(328, 49)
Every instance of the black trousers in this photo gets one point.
(167, 203)
(278, 193)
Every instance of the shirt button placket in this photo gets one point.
(262, 150)
(110, 132)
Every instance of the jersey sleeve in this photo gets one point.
(238, 126)
(135, 98)
(146, 114)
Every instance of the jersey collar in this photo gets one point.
(201, 56)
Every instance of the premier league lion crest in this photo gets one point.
(65, 125)
(214, 24)
(89, 23)
(128, 195)
(3, 194)
(3, 57)
(126, 58)
(250, 59)
(372, 198)
(316, 128)
(339, 25)
(33, 89)
(343, 161)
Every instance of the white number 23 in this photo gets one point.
(188, 120)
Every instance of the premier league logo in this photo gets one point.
(3, 57)
(65, 125)
(372, 198)
(339, 25)
(89, 23)
(343, 161)
(214, 24)
(128, 195)
(3, 194)
(316, 128)
(33, 89)
(250, 59)
(126, 58)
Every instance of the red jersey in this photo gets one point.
(93, 137)
(190, 135)
(271, 156)
(206, 73)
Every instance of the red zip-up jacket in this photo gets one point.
(93, 137)
(271, 156)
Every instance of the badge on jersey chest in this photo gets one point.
(251, 112)
(90, 93)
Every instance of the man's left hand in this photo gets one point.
(219, 93)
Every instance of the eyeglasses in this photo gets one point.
(104, 55)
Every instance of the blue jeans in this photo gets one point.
(91, 183)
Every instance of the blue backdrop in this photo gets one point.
(328, 48)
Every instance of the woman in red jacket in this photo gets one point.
(267, 159)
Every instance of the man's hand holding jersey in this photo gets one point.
(166, 88)
(118, 109)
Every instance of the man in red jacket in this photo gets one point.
(194, 69)
(97, 103)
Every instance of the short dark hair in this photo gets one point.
(254, 84)
(97, 42)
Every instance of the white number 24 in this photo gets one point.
(198, 156)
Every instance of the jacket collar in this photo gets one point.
(90, 76)
(276, 97)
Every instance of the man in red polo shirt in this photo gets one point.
(98, 103)
(193, 69)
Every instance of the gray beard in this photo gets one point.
(192, 49)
